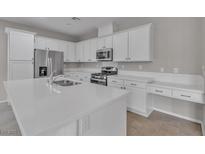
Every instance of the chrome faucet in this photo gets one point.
(52, 78)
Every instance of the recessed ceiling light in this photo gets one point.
(75, 18)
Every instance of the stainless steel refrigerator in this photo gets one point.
(42, 68)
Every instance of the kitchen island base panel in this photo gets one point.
(109, 120)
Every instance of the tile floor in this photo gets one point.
(160, 124)
(8, 123)
(157, 124)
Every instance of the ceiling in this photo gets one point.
(76, 28)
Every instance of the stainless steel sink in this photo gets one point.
(66, 83)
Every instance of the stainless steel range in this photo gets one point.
(101, 78)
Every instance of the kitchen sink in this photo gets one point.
(66, 83)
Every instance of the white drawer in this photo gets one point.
(115, 81)
(160, 91)
(189, 96)
(134, 84)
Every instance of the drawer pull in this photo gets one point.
(186, 96)
(158, 91)
(133, 84)
(114, 81)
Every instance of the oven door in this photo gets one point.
(104, 55)
(98, 81)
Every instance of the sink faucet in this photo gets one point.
(52, 77)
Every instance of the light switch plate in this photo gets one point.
(140, 67)
(162, 69)
(175, 70)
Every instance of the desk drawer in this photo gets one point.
(135, 84)
(188, 96)
(160, 91)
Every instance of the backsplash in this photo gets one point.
(136, 66)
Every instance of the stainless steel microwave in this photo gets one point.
(105, 54)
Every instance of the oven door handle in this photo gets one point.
(97, 79)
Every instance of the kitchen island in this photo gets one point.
(83, 109)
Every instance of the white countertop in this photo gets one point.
(39, 107)
(134, 78)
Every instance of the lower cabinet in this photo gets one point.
(110, 120)
(138, 100)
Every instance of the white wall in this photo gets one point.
(3, 47)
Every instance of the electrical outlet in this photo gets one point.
(162, 69)
(140, 67)
(175, 70)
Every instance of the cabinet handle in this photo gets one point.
(133, 84)
(158, 91)
(114, 81)
(187, 96)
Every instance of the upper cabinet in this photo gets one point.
(68, 48)
(21, 45)
(86, 50)
(44, 43)
(140, 43)
(93, 48)
(80, 52)
(104, 42)
(120, 46)
(133, 45)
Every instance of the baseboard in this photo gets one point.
(179, 116)
(139, 113)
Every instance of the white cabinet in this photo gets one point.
(19, 70)
(52, 44)
(93, 48)
(138, 98)
(105, 42)
(21, 46)
(69, 50)
(20, 54)
(138, 101)
(79, 52)
(120, 47)
(140, 43)
(44, 43)
(86, 50)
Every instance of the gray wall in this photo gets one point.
(3, 47)
(177, 43)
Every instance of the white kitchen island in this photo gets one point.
(84, 109)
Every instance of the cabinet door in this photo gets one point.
(64, 47)
(101, 43)
(19, 70)
(52, 44)
(21, 46)
(140, 44)
(93, 48)
(79, 52)
(137, 99)
(40, 43)
(71, 50)
(86, 50)
(108, 42)
(120, 46)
